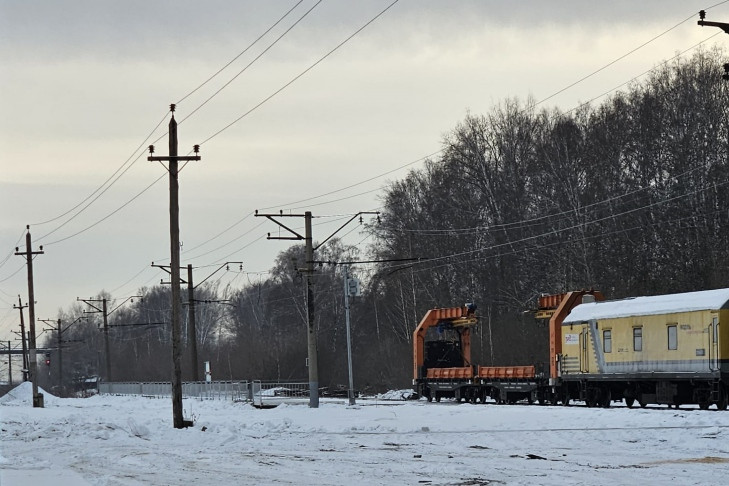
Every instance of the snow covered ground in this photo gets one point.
(107, 440)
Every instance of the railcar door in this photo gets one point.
(714, 344)
(584, 346)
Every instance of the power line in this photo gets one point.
(296, 78)
(640, 75)
(252, 62)
(576, 226)
(102, 185)
(615, 60)
(239, 55)
(110, 214)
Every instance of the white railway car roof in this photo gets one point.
(642, 306)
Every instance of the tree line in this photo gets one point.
(628, 196)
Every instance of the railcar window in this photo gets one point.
(637, 339)
(607, 341)
(672, 337)
(715, 329)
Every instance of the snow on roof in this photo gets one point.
(659, 304)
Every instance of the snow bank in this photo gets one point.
(129, 441)
(398, 395)
(23, 395)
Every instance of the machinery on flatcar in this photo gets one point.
(650, 350)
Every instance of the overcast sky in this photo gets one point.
(83, 83)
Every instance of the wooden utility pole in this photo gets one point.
(20, 306)
(32, 360)
(173, 168)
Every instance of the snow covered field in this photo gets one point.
(107, 440)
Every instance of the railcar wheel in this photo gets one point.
(703, 405)
(429, 397)
(604, 398)
(642, 404)
(629, 402)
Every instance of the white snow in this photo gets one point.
(109, 440)
(659, 304)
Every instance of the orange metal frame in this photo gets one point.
(432, 318)
(564, 303)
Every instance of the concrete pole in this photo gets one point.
(107, 349)
(10, 366)
(311, 328)
(60, 361)
(191, 329)
(349, 336)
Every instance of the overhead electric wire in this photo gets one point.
(425, 157)
(640, 75)
(576, 226)
(298, 76)
(252, 62)
(12, 252)
(103, 184)
(226, 244)
(571, 211)
(108, 215)
(109, 182)
(239, 55)
(614, 61)
(303, 73)
(311, 67)
(561, 243)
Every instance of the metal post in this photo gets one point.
(349, 337)
(311, 328)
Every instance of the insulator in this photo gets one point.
(172, 107)
(702, 14)
(196, 148)
(151, 149)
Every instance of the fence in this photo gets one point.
(262, 394)
(214, 390)
(271, 394)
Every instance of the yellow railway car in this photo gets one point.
(667, 349)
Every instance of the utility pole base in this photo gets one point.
(38, 401)
(313, 394)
